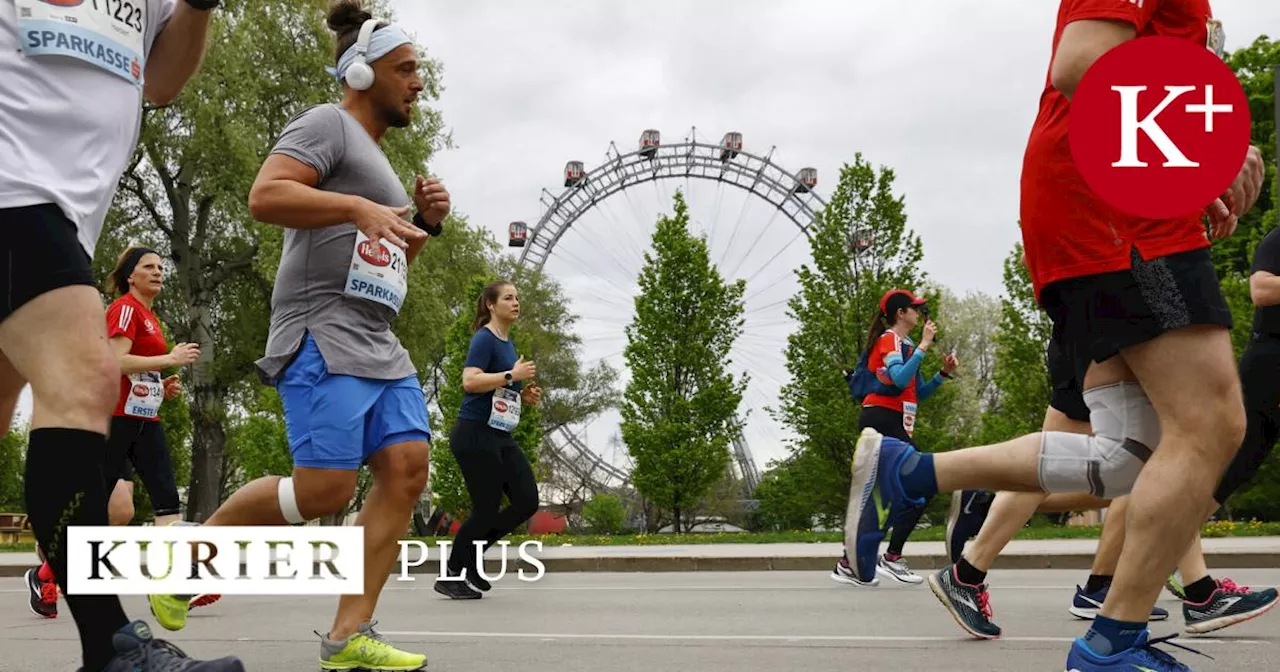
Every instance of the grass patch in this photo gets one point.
(937, 533)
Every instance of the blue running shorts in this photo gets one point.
(339, 422)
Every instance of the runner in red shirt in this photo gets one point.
(896, 362)
(137, 437)
(1138, 311)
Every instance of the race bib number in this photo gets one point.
(146, 392)
(909, 417)
(109, 34)
(378, 274)
(505, 411)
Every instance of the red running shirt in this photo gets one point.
(140, 393)
(888, 344)
(1067, 231)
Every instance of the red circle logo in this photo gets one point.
(1159, 127)
(141, 390)
(377, 256)
(63, 3)
(500, 406)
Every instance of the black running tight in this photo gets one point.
(492, 464)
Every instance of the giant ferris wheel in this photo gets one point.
(594, 245)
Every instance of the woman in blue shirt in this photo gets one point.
(493, 381)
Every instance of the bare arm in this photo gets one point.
(176, 54)
(1082, 43)
(134, 363)
(476, 381)
(284, 193)
(1264, 287)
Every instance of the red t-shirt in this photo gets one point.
(1067, 230)
(127, 317)
(888, 344)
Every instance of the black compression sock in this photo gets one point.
(1097, 582)
(64, 486)
(968, 574)
(1200, 591)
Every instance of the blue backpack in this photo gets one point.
(863, 381)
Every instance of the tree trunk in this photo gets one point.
(208, 411)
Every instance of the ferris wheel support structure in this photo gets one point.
(790, 193)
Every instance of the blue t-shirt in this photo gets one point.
(491, 355)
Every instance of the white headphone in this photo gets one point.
(360, 75)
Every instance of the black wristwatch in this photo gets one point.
(204, 5)
(421, 223)
(507, 376)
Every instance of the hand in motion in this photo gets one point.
(172, 387)
(1240, 197)
(184, 354)
(950, 363)
(432, 200)
(930, 331)
(381, 222)
(523, 370)
(531, 395)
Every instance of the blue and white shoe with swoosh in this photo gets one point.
(1087, 605)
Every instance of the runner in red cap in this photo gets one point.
(889, 407)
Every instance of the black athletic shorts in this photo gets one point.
(884, 420)
(140, 444)
(1067, 393)
(39, 252)
(1260, 380)
(1096, 316)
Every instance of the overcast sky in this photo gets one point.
(943, 92)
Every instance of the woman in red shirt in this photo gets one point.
(896, 362)
(136, 439)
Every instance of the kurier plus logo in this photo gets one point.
(1159, 127)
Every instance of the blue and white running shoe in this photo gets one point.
(1142, 657)
(1086, 605)
(875, 492)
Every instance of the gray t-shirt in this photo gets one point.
(354, 334)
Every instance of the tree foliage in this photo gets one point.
(680, 407)
(839, 296)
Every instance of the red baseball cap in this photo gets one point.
(897, 299)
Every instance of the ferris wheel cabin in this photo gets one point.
(730, 146)
(649, 141)
(808, 180)
(574, 174)
(518, 232)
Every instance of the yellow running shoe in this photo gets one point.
(170, 611)
(367, 650)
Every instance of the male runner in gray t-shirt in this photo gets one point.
(350, 392)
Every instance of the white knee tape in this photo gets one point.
(1106, 464)
(288, 502)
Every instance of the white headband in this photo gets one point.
(381, 43)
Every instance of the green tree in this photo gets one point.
(679, 408)
(605, 514)
(861, 247)
(1020, 377)
(185, 193)
(13, 458)
(1254, 66)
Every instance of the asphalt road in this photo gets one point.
(635, 622)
